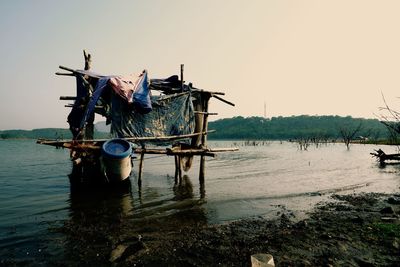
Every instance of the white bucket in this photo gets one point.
(116, 159)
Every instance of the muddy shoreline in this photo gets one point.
(353, 230)
(349, 230)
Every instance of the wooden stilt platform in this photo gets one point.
(90, 100)
(91, 146)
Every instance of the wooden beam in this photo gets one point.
(192, 151)
(202, 112)
(207, 92)
(67, 97)
(167, 151)
(223, 100)
(67, 69)
(184, 152)
(64, 74)
(71, 105)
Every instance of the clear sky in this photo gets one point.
(298, 57)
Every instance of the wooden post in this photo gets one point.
(178, 169)
(204, 99)
(182, 82)
(202, 170)
(140, 168)
(88, 60)
(89, 128)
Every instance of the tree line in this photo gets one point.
(46, 133)
(236, 128)
(297, 127)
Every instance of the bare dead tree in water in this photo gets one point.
(391, 119)
(348, 133)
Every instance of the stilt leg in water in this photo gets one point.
(202, 170)
(140, 169)
(176, 169)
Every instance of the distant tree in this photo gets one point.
(4, 136)
(348, 133)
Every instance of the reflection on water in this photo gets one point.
(183, 189)
(100, 220)
(95, 221)
(101, 200)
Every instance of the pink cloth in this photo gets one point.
(125, 86)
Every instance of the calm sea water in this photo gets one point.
(36, 202)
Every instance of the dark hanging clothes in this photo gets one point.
(98, 91)
(75, 116)
(141, 96)
(132, 90)
(172, 82)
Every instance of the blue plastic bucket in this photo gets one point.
(116, 149)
